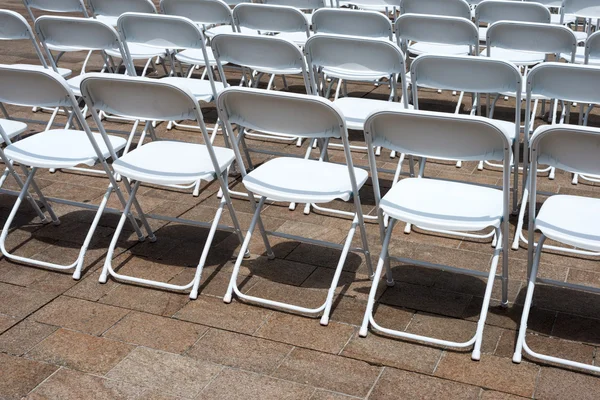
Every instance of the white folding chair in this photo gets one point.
(441, 8)
(588, 54)
(55, 6)
(293, 179)
(56, 148)
(440, 204)
(161, 162)
(555, 17)
(572, 220)
(564, 83)
(285, 21)
(588, 10)
(485, 76)
(341, 21)
(305, 5)
(348, 58)
(490, 11)
(526, 44)
(109, 11)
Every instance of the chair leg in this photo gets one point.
(383, 258)
(338, 271)
(238, 262)
(528, 300)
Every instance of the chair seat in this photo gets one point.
(108, 19)
(352, 74)
(172, 163)
(11, 128)
(580, 57)
(200, 88)
(298, 38)
(60, 148)
(356, 109)
(64, 72)
(517, 57)
(569, 19)
(572, 220)
(196, 57)
(438, 48)
(215, 30)
(580, 36)
(306, 181)
(75, 83)
(138, 51)
(437, 204)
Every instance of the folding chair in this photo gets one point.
(109, 11)
(338, 21)
(572, 220)
(56, 148)
(161, 162)
(555, 18)
(588, 54)
(55, 6)
(526, 44)
(486, 76)
(441, 8)
(564, 83)
(588, 10)
(351, 58)
(288, 22)
(440, 204)
(293, 179)
(305, 5)
(490, 11)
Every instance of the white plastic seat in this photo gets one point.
(516, 56)
(180, 163)
(64, 72)
(216, 30)
(201, 88)
(11, 128)
(60, 148)
(108, 19)
(292, 179)
(297, 37)
(438, 48)
(438, 204)
(191, 56)
(137, 51)
(443, 205)
(357, 109)
(301, 180)
(573, 220)
(109, 11)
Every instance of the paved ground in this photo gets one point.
(61, 338)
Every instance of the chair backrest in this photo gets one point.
(114, 8)
(549, 3)
(14, 27)
(436, 29)
(80, 34)
(204, 12)
(464, 73)
(581, 8)
(417, 132)
(568, 82)
(270, 18)
(339, 21)
(258, 53)
(57, 6)
(490, 11)
(528, 36)
(355, 56)
(447, 8)
(592, 47)
(299, 4)
(568, 147)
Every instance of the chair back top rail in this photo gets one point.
(436, 29)
(490, 11)
(447, 8)
(13, 26)
(204, 12)
(567, 82)
(352, 22)
(57, 5)
(270, 18)
(114, 8)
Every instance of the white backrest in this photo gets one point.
(436, 29)
(357, 54)
(464, 73)
(447, 8)
(340, 21)
(527, 36)
(114, 8)
(592, 46)
(437, 135)
(56, 5)
(137, 97)
(200, 11)
(568, 82)
(490, 11)
(263, 17)
(13, 26)
(258, 52)
(274, 111)
(300, 4)
(29, 86)
(161, 31)
(568, 147)
(548, 3)
(581, 8)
